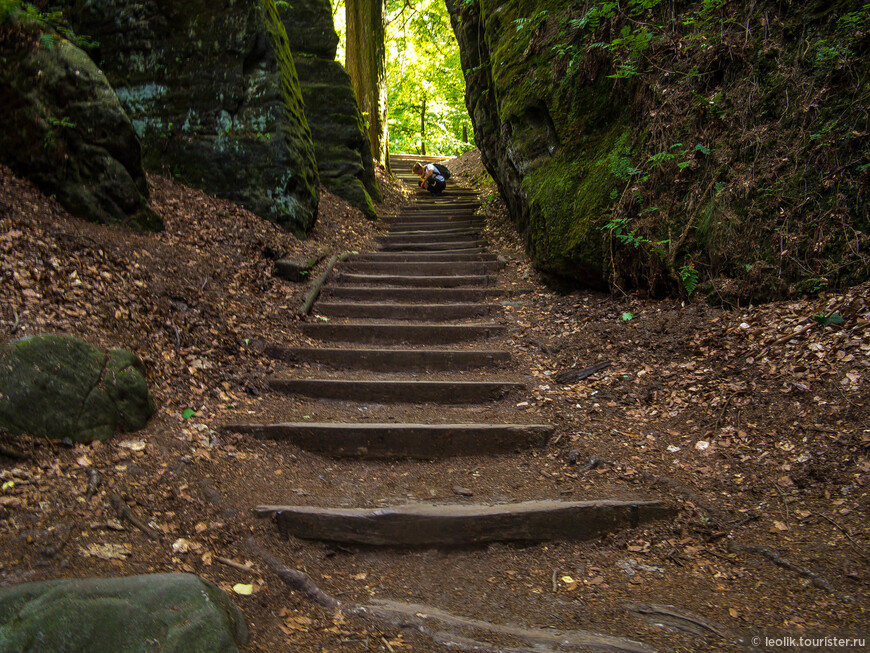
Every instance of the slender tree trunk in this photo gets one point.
(366, 64)
(464, 133)
(423, 126)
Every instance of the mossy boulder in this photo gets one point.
(63, 387)
(212, 91)
(63, 128)
(341, 144)
(171, 613)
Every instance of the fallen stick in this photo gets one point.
(572, 377)
(314, 293)
(94, 479)
(123, 511)
(234, 564)
(11, 452)
(779, 561)
(294, 578)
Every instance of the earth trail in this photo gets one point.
(407, 347)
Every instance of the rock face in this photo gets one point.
(173, 613)
(341, 146)
(62, 387)
(212, 91)
(664, 147)
(64, 129)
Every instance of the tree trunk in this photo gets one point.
(464, 133)
(423, 127)
(366, 65)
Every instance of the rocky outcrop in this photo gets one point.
(62, 387)
(173, 613)
(667, 147)
(62, 127)
(212, 91)
(341, 145)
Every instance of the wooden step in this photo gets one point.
(428, 312)
(425, 441)
(396, 334)
(381, 392)
(392, 360)
(439, 229)
(463, 524)
(405, 227)
(414, 257)
(421, 268)
(392, 239)
(433, 246)
(452, 281)
(435, 217)
(411, 295)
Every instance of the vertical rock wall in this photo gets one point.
(212, 91)
(341, 147)
(62, 127)
(679, 147)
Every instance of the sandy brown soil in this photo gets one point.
(753, 423)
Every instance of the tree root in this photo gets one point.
(314, 293)
(779, 561)
(445, 628)
(294, 578)
(123, 511)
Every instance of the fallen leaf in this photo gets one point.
(108, 551)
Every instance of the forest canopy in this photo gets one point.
(426, 89)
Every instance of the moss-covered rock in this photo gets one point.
(172, 613)
(212, 91)
(62, 387)
(655, 145)
(62, 127)
(341, 146)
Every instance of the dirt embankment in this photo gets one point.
(753, 422)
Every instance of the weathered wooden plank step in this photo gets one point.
(405, 227)
(463, 524)
(394, 334)
(437, 230)
(428, 312)
(435, 217)
(379, 391)
(452, 281)
(426, 238)
(421, 268)
(413, 257)
(445, 203)
(413, 295)
(423, 441)
(433, 246)
(392, 360)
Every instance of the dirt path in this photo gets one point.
(751, 422)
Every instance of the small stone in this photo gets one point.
(462, 491)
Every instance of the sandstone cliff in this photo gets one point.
(212, 91)
(673, 146)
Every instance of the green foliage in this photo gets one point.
(424, 79)
(827, 319)
(689, 277)
(619, 228)
(426, 99)
(627, 316)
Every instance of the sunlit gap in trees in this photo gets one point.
(426, 89)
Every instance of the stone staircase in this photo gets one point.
(411, 325)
